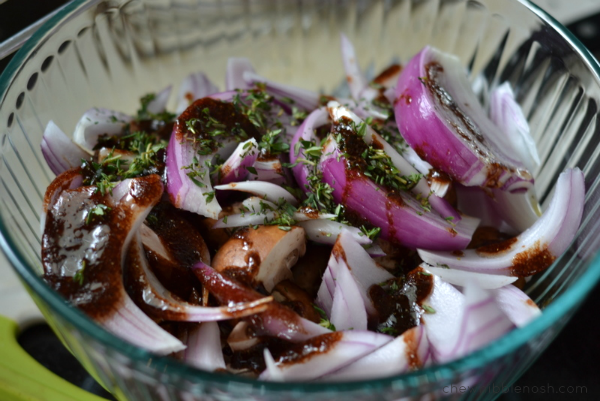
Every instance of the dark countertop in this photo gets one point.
(572, 360)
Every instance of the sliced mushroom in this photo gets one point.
(261, 256)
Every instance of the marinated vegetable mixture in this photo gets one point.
(273, 232)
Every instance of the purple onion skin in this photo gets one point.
(172, 172)
(398, 218)
(305, 132)
(428, 131)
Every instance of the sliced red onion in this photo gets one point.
(408, 352)
(354, 76)
(536, 248)
(270, 170)
(69, 179)
(305, 99)
(157, 301)
(478, 202)
(306, 132)
(277, 321)
(326, 231)
(96, 122)
(234, 76)
(348, 309)
(240, 339)
(254, 218)
(159, 103)
(194, 86)
(506, 113)
(371, 137)
(347, 253)
(520, 210)
(183, 191)
(342, 349)
(112, 309)
(236, 166)
(375, 251)
(462, 278)
(441, 118)
(59, 151)
(204, 347)
(402, 218)
(519, 308)
(266, 190)
(462, 323)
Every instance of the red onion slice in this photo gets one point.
(96, 122)
(183, 191)
(462, 278)
(506, 113)
(401, 218)
(306, 132)
(354, 76)
(519, 308)
(342, 349)
(157, 301)
(348, 309)
(520, 210)
(234, 75)
(204, 347)
(271, 171)
(159, 103)
(265, 190)
(194, 86)
(536, 248)
(440, 117)
(326, 231)
(410, 351)
(112, 309)
(305, 99)
(69, 179)
(59, 151)
(236, 166)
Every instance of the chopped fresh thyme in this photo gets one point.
(78, 276)
(97, 213)
(324, 320)
(428, 309)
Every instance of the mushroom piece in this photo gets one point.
(290, 294)
(261, 256)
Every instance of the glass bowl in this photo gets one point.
(109, 53)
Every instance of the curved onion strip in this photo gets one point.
(235, 168)
(234, 75)
(69, 179)
(371, 137)
(535, 249)
(249, 218)
(347, 253)
(185, 193)
(519, 308)
(270, 171)
(354, 76)
(407, 352)
(461, 277)
(450, 128)
(506, 113)
(124, 319)
(159, 103)
(266, 190)
(403, 220)
(159, 302)
(520, 210)
(326, 231)
(96, 122)
(194, 86)
(343, 349)
(303, 98)
(306, 132)
(59, 151)
(348, 309)
(478, 202)
(277, 320)
(204, 347)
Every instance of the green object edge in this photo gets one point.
(22, 378)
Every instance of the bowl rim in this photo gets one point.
(506, 344)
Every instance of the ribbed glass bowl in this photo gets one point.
(109, 53)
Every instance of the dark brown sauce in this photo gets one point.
(389, 73)
(412, 350)
(486, 236)
(70, 242)
(496, 248)
(318, 345)
(531, 261)
(398, 301)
